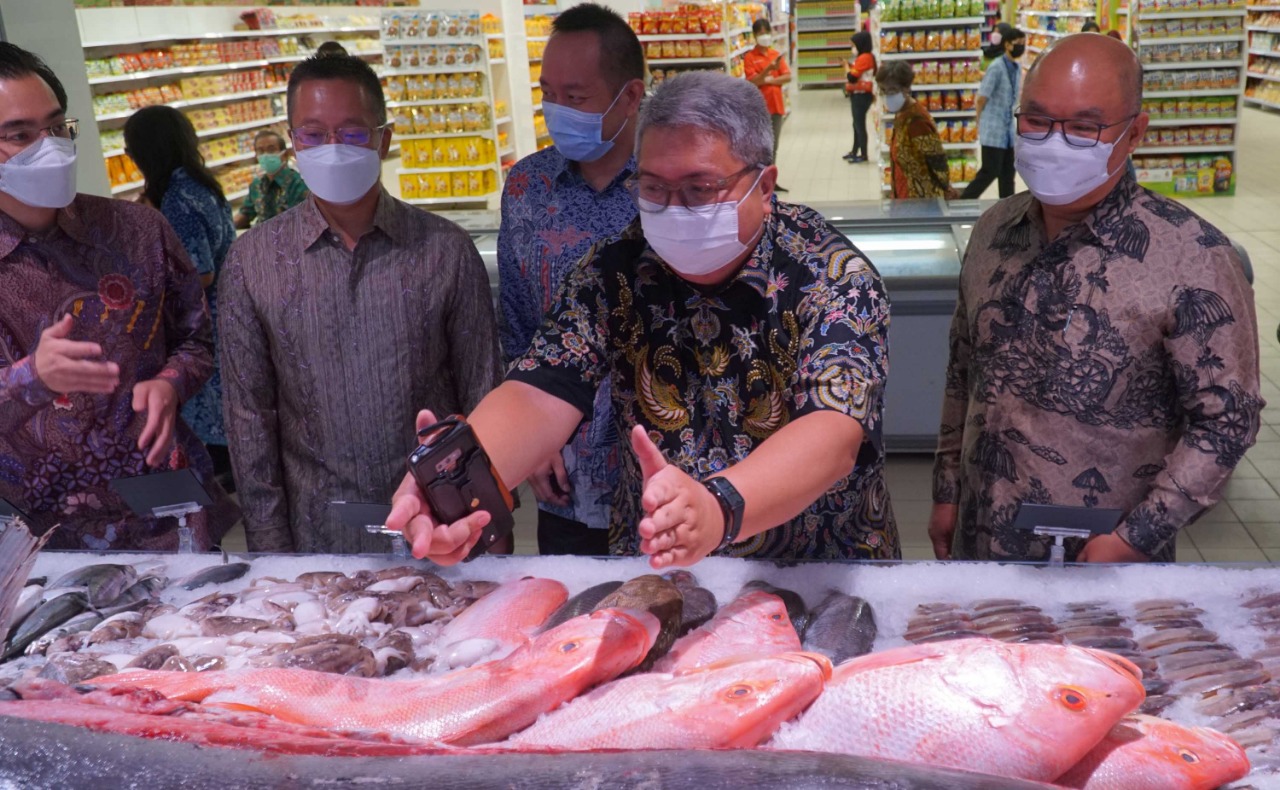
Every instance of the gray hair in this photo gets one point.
(714, 102)
(895, 76)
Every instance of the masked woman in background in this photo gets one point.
(918, 163)
(861, 92)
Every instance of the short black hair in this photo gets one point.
(1090, 27)
(331, 48)
(265, 133)
(761, 25)
(339, 67)
(621, 56)
(1014, 34)
(16, 62)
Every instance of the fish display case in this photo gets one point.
(917, 246)
(1021, 670)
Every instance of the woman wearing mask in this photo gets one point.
(995, 50)
(997, 97)
(917, 161)
(861, 92)
(163, 144)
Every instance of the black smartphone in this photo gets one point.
(457, 479)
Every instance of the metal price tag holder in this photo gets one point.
(1061, 522)
(175, 494)
(372, 519)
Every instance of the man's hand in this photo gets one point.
(683, 521)
(550, 482)
(952, 193)
(1110, 548)
(443, 544)
(942, 526)
(159, 400)
(66, 366)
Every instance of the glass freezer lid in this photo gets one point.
(908, 254)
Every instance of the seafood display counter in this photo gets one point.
(126, 669)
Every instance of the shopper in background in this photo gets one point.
(1090, 27)
(917, 160)
(278, 188)
(556, 204)
(103, 334)
(1104, 350)
(339, 319)
(997, 96)
(995, 47)
(745, 343)
(765, 68)
(860, 88)
(162, 142)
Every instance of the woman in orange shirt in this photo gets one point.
(861, 92)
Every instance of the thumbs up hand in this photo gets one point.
(683, 522)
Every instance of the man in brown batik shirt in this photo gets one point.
(1104, 350)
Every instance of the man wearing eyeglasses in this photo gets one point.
(340, 318)
(745, 343)
(103, 334)
(1104, 350)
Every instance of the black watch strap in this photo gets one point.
(731, 505)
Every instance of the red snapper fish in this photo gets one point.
(499, 622)
(752, 624)
(734, 704)
(480, 704)
(1148, 753)
(1027, 711)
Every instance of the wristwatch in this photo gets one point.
(731, 505)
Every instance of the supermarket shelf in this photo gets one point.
(844, 47)
(823, 18)
(493, 36)
(225, 97)
(688, 61)
(456, 41)
(1179, 94)
(1263, 102)
(1260, 76)
(716, 37)
(536, 9)
(1263, 29)
(184, 70)
(538, 38)
(1193, 14)
(234, 196)
(815, 83)
(435, 102)
(1033, 49)
(502, 120)
(1185, 149)
(445, 201)
(437, 135)
(538, 107)
(229, 160)
(946, 86)
(1266, 53)
(1032, 12)
(508, 151)
(1151, 42)
(240, 127)
(1193, 121)
(943, 114)
(1194, 64)
(1035, 31)
(1263, 8)
(740, 31)
(129, 187)
(409, 171)
(468, 69)
(300, 31)
(502, 61)
(953, 22)
(955, 53)
(112, 152)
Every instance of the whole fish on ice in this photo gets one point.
(753, 623)
(499, 622)
(1147, 753)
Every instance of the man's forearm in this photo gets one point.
(791, 469)
(520, 426)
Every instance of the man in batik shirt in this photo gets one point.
(103, 331)
(1104, 351)
(745, 343)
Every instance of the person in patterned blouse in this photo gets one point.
(279, 187)
(917, 160)
(1104, 349)
(555, 205)
(745, 341)
(104, 333)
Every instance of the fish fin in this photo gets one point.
(889, 658)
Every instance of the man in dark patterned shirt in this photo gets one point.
(1104, 350)
(278, 188)
(746, 344)
(556, 204)
(338, 320)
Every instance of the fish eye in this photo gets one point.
(569, 647)
(1189, 756)
(777, 618)
(1072, 699)
(738, 692)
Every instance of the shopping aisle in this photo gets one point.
(1245, 526)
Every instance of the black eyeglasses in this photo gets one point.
(1078, 134)
(308, 136)
(68, 129)
(652, 196)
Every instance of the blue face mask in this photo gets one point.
(577, 134)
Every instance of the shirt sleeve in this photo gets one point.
(295, 192)
(192, 229)
(843, 332)
(471, 327)
(568, 357)
(1212, 344)
(782, 69)
(251, 410)
(22, 393)
(929, 145)
(188, 327)
(955, 406)
(987, 88)
(249, 207)
(516, 325)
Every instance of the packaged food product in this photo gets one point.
(951, 101)
(955, 169)
(668, 49)
(970, 169)
(973, 41)
(458, 185)
(475, 183)
(927, 72)
(920, 41)
(409, 187)
(933, 40)
(968, 99)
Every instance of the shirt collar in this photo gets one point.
(385, 218)
(67, 220)
(1123, 194)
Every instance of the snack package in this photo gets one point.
(409, 187)
(955, 168)
(475, 183)
(889, 41)
(970, 169)
(458, 185)
(951, 101)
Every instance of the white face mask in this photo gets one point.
(693, 242)
(338, 173)
(894, 101)
(1058, 173)
(42, 175)
(764, 40)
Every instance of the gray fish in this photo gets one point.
(30, 597)
(73, 668)
(1194, 658)
(796, 609)
(83, 622)
(657, 596)
(1161, 603)
(995, 603)
(1106, 643)
(1241, 720)
(700, 605)
(1186, 647)
(144, 590)
(1100, 621)
(1175, 622)
(1162, 638)
(1235, 700)
(1212, 683)
(214, 574)
(102, 583)
(935, 608)
(41, 754)
(1212, 668)
(1095, 632)
(1154, 704)
(47, 616)
(840, 628)
(945, 636)
(1152, 615)
(580, 604)
(996, 611)
(1262, 601)
(154, 658)
(1154, 686)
